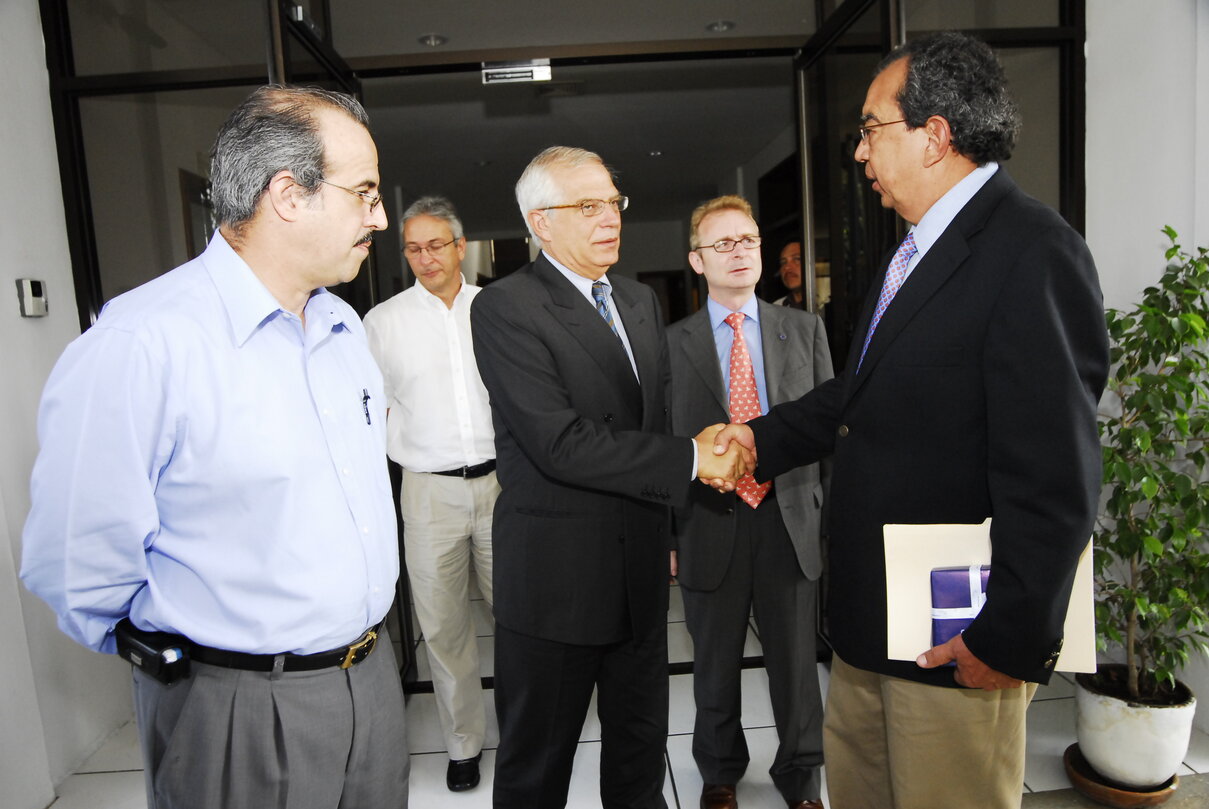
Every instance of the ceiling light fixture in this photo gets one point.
(719, 26)
(655, 153)
(433, 40)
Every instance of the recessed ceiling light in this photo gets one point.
(433, 40)
(655, 153)
(719, 26)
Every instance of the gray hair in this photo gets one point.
(537, 188)
(958, 78)
(436, 207)
(274, 129)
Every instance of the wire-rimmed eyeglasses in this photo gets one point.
(728, 245)
(594, 207)
(372, 200)
(432, 248)
(867, 128)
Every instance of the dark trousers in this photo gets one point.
(764, 574)
(326, 739)
(542, 692)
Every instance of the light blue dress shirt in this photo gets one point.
(724, 338)
(212, 468)
(936, 219)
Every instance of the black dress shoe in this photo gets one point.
(718, 796)
(463, 774)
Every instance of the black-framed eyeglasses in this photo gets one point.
(593, 207)
(372, 200)
(867, 128)
(728, 245)
(432, 248)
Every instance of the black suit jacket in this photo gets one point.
(796, 359)
(585, 465)
(977, 398)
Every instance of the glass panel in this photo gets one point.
(124, 36)
(1033, 80)
(145, 154)
(850, 229)
(955, 15)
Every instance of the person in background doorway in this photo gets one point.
(438, 425)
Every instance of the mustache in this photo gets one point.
(367, 239)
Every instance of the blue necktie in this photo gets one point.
(602, 304)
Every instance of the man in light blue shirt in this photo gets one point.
(212, 466)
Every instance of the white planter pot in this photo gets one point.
(1135, 745)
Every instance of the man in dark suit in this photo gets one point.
(972, 394)
(576, 367)
(752, 548)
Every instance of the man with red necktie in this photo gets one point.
(757, 547)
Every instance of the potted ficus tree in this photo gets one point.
(1151, 551)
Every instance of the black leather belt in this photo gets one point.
(476, 471)
(344, 657)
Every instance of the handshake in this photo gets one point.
(725, 453)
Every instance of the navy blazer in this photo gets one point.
(977, 398)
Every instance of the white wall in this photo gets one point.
(1147, 136)
(1147, 154)
(57, 700)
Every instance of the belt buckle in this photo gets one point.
(370, 639)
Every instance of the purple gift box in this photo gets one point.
(958, 593)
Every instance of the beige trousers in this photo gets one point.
(890, 743)
(446, 524)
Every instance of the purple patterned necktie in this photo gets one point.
(896, 273)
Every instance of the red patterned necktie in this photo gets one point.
(896, 273)
(744, 403)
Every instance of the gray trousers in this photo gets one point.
(764, 574)
(231, 739)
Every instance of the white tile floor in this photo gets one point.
(113, 777)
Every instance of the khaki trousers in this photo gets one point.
(890, 743)
(446, 523)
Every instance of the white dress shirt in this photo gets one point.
(439, 414)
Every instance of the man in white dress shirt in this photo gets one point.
(439, 430)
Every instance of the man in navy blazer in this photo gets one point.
(971, 393)
(735, 553)
(576, 366)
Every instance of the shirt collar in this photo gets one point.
(583, 284)
(933, 223)
(248, 302)
(459, 300)
(718, 312)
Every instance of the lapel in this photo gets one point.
(572, 310)
(775, 339)
(943, 259)
(701, 352)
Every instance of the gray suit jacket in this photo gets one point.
(796, 359)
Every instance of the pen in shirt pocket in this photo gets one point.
(365, 404)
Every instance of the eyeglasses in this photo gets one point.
(867, 128)
(594, 207)
(728, 245)
(373, 200)
(432, 248)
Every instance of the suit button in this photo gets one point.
(843, 431)
(608, 417)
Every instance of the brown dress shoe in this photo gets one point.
(805, 805)
(718, 796)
